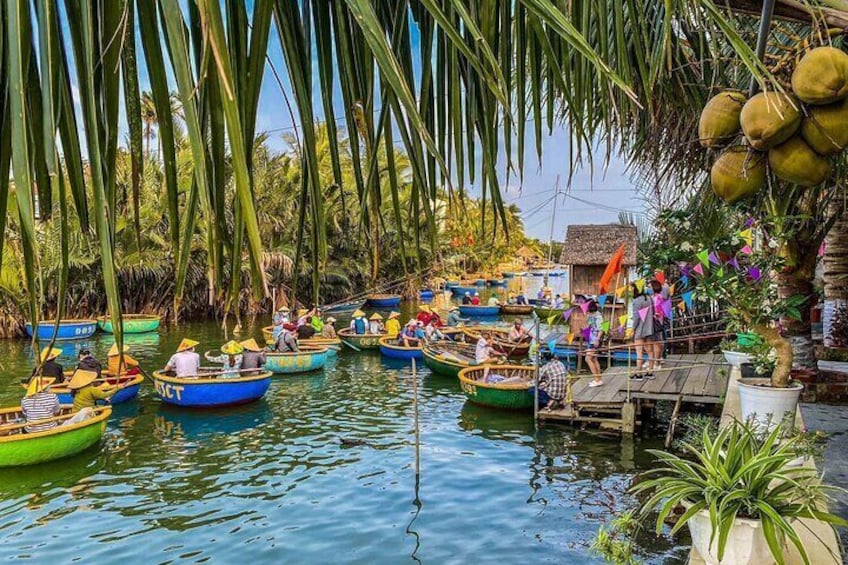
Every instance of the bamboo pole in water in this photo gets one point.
(415, 412)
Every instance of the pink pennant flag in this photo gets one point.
(698, 269)
(585, 307)
(643, 313)
(567, 314)
(821, 249)
(747, 250)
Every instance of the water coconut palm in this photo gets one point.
(795, 161)
(770, 118)
(738, 173)
(821, 76)
(720, 118)
(825, 128)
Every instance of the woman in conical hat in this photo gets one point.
(358, 323)
(231, 360)
(85, 391)
(49, 367)
(116, 366)
(253, 356)
(185, 362)
(375, 324)
(40, 404)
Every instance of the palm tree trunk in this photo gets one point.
(835, 273)
(798, 332)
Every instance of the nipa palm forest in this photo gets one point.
(139, 181)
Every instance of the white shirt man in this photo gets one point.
(184, 363)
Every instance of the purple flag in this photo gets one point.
(684, 270)
(749, 222)
(713, 258)
(733, 262)
(567, 314)
(666, 308)
(754, 274)
(586, 333)
(584, 306)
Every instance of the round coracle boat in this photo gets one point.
(131, 323)
(512, 390)
(359, 342)
(211, 388)
(389, 347)
(67, 330)
(308, 358)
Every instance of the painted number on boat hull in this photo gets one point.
(469, 388)
(167, 390)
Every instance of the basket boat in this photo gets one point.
(479, 311)
(545, 312)
(18, 448)
(513, 395)
(126, 394)
(349, 306)
(359, 342)
(425, 294)
(67, 330)
(383, 300)
(132, 323)
(448, 358)
(512, 349)
(389, 348)
(462, 288)
(207, 391)
(333, 344)
(309, 358)
(516, 309)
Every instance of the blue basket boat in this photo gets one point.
(497, 282)
(449, 285)
(206, 391)
(126, 394)
(68, 329)
(479, 311)
(389, 348)
(426, 294)
(383, 300)
(461, 290)
(309, 358)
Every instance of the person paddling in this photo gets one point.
(88, 362)
(116, 366)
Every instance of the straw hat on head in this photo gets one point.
(251, 345)
(302, 312)
(81, 378)
(49, 353)
(375, 316)
(393, 315)
(186, 344)
(232, 348)
(425, 308)
(412, 323)
(113, 351)
(330, 320)
(358, 314)
(453, 308)
(37, 384)
(283, 309)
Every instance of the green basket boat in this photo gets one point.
(131, 323)
(513, 396)
(18, 449)
(545, 312)
(448, 358)
(359, 342)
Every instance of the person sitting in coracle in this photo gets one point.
(358, 323)
(185, 362)
(231, 360)
(409, 335)
(375, 324)
(466, 299)
(475, 300)
(520, 299)
(88, 362)
(329, 329)
(454, 318)
(49, 366)
(287, 342)
(253, 356)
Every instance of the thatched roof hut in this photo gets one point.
(593, 245)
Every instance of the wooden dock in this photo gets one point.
(618, 403)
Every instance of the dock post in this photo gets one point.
(628, 418)
(536, 372)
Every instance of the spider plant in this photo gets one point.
(739, 473)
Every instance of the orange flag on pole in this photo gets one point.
(613, 268)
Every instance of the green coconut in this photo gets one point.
(769, 119)
(738, 173)
(720, 118)
(825, 128)
(821, 76)
(796, 162)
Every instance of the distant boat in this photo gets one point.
(131, 323)
(349, 306)
(67, 330)
(461, 290)
(479, 311)
(425, 294)
(516, 309)
(383, 300)
(306, 359)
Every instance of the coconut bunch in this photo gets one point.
(795, 135)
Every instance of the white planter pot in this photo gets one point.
(767, 406)
(746, 543)
(736, 358)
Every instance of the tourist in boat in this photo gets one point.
(316, 322)
(302, 317)
(287, 342)
(282, 316)
(40, 404)
(86, 394)
(431, 332)
(253, 356)
(185, 362)
(409, 337)
(393, 325)
(518, 333)
(231, 360)
(49, 366)
(375, 324)
(425, 314)
(553, 379)
(329, 329)
(594, 323)
(358, 324)
(475, 300)
(484, 353)
(521, 299)
(510, 299)
(466, 299)
(305, 331)
(454, 318)
(493, 301)
(559, 302)
(643, 331)
(88, 362)
(116, 366)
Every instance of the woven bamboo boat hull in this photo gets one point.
(67, 330)
(511, 397)
(209, 392)
(479, 311)
(360, 341)
(516, 309)
(390, 349)
(18, 450)
(131, 323)
(303, 361)
(126, 394)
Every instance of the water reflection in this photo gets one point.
(173, 424)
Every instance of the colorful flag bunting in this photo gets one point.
(687, 298)
(733, 262)
(552, 345)
(586, 333)
(584, 306)
(703, 257)
(747, 236)
(570, 338)
(681, 306)
(699, 269)
(640, 285)
(660, 276)
(720, 272)
(551, 320)
(622, 320)
(567, 314)
(749, 222)
(619, 292)
(747, 250)
(666, 307)
(605, 327)
(644, 312)
(602, 300)
(713, 258)
(684, 280)
(671, 289)
(754, 273)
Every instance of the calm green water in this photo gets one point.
(272, 480)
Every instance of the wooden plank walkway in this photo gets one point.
(690, 378)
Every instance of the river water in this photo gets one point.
(321, 470)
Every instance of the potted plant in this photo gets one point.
(744, 286)
(737, 353)
(739, 495)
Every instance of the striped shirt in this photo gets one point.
(40, 406)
